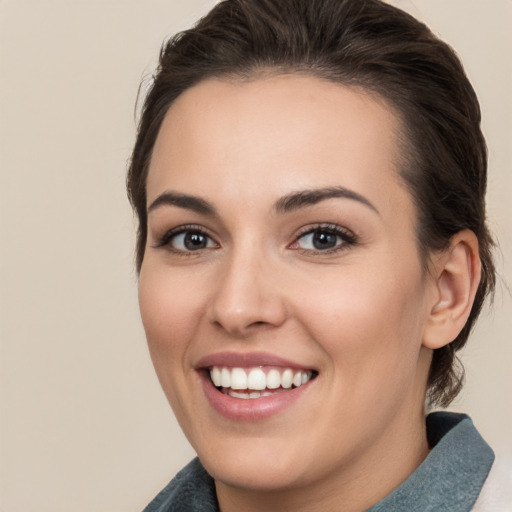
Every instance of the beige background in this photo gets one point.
(84, 424)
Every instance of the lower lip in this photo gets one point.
(252, 409)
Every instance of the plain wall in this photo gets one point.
(84, 424)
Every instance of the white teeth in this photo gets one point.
(273, 379)
(238, 379)
(287, 379)
(215, 375)
(225, 378)
(256, 380)
(238, 395)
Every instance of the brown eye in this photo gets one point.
(320, 240)
(194, 241)
(187, 240)
(324, 239)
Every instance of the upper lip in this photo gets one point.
(247, 359)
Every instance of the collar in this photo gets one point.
(450, 478)
(452, 475)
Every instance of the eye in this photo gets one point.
(324, 239)
(191, 241)
(187, 239)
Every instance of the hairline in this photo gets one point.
(406, 152)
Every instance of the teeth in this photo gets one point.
(286, 379)
(238, 379)
(248, 396)
(215, 375)
(225, 378)
(256, 380)
(273, 379)
(238, 395)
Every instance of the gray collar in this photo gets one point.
(452, 475)
(450, 478)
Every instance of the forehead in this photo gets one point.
(287, 130)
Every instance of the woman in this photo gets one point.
(309, 179)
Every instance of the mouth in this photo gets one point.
(253, 386)
(248, 383)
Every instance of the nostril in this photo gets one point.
(259, 324)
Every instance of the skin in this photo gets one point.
(365, 316)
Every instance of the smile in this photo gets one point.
(254, 386)
(252, 383)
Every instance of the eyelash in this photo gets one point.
(166, 239)
(347, 238)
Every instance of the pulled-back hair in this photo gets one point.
(363, 43)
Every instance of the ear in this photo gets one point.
(456, 275)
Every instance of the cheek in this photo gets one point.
(169, 315)
(370, 327)
(169, 310)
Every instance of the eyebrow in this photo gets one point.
(286, 204)
(193, 203)
(304, 198)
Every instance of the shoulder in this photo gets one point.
(191, 490)
(496, 494)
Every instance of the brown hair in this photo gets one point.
(365, 43)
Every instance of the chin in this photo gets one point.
(264, 474)
(260, 463)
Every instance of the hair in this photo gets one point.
(360, 43)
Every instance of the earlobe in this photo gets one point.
(457, 274)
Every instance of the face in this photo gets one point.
(281, 291)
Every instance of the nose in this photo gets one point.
(247, 297)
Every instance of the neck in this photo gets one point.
(358, 484)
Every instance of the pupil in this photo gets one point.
(194, 241)
(322, 240)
